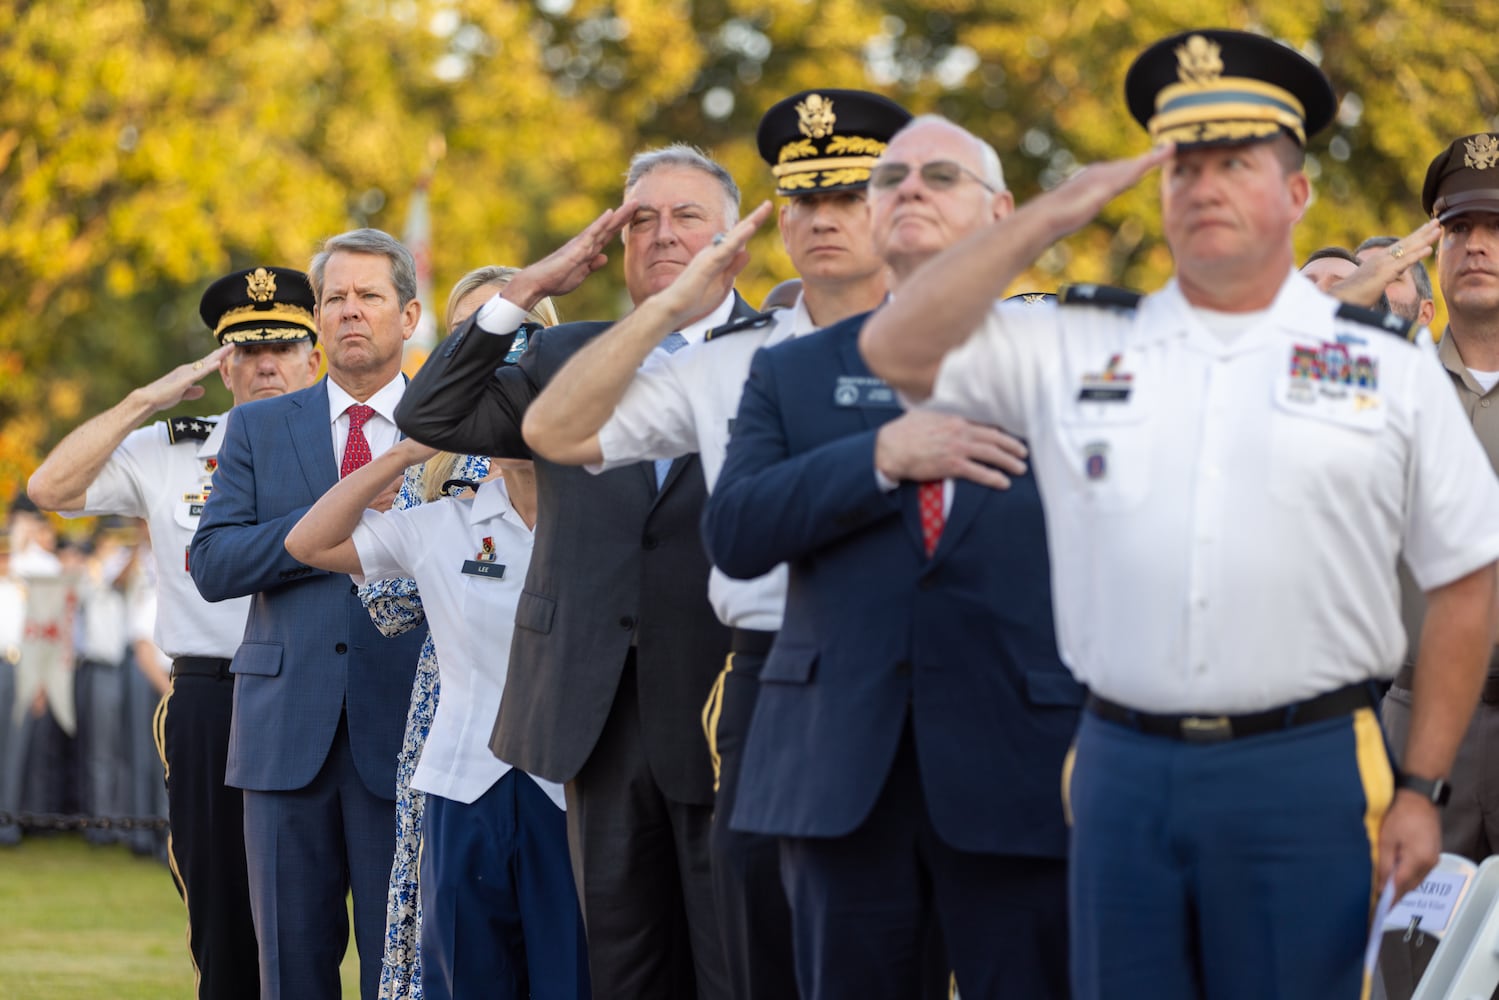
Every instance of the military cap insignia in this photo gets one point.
(816, 118)
(1482, 152)
(262, 285)
(260, 305)
(796, 137)
(1216, 86)
(1199, 61)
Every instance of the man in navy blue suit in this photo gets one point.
(914, 714)
(320, 695)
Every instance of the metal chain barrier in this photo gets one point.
(59, 821)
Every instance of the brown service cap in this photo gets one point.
(1463, 178)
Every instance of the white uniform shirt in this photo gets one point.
(470, 605)
(1224, 528)
(167, 484)
(686, 402)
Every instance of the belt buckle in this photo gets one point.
(1206, 728)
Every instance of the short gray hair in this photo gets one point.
(376, 243)
(1418, 271)
(680, 154)
(993, 171)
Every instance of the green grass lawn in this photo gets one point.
(95, 923)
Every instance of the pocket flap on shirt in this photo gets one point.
(1052, 687)
(789, 666)
(535, 612)
(262, 659)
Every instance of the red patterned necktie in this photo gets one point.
(357, 448)
(929, 498)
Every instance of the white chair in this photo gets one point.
(1465, 965)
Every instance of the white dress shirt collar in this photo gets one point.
(383, 402)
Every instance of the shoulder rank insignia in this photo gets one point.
(1099, 295)
(751, 322)
(180, 429)
(1032, 298)
(1388, 322)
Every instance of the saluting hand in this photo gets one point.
(1383, 265)
(706, 280)
(1077, 201)
(181, 383)
(564, 269)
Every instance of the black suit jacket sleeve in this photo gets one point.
(463, 401)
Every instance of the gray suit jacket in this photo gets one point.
(615, 563)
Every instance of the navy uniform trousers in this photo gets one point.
(753, 915)
(1235, 870)
(500, 914)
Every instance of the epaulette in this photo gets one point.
(1099, 295)
(1032, 298)
(751, 322)
(180, 429)
(1388, 322)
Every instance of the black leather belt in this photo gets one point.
(751, 642)
(1218, 728)
(201, 666)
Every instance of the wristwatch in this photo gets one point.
(1437, 790)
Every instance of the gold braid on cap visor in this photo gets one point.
(280, 314)
(1232, 107)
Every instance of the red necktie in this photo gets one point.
(929, 498)
(357, 448)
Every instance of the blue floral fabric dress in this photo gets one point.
(396, 607)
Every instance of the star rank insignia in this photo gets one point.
(180, 429)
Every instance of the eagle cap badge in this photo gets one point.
(1482, 152)
(262, 285)
(816, 118)
(1199, 61)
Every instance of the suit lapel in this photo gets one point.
(312, 437)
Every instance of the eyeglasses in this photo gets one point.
(939, 175)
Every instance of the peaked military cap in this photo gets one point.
(260, 305)
(1463, 178)
(827, 140)
(1217, 87)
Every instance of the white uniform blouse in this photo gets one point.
(469, 560)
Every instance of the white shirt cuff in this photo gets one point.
(499, 315)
